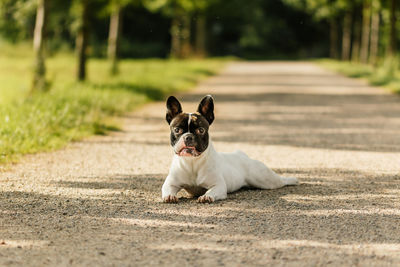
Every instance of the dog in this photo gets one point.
(199, 169)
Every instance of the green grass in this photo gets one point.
(387, 74)
(71, 110)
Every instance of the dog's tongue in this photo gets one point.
(186, 152)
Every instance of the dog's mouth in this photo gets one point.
(188, 151)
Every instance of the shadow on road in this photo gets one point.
(292, 217)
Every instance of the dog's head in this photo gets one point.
(189, 131)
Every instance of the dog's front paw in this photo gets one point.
(205, 199)
(170, 199)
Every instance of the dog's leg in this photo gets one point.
(216, 192)
(169, 191)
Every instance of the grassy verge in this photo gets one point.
(71, 110)
(387, 74)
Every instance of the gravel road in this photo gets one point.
(98, 202)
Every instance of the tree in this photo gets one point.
(200, 20)
(346, 37)
(113, 37)
(333, 35)
(39, 75)
(176, 45)
(323, 10)
(351, 38)
(200, 39)
(373, 52)
(366, 29)
(355, 53)
(180, 28)
(116, 7)
(180, 12)
(392, 45)
(82, 36)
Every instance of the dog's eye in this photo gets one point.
(178, 130)
(200, 130)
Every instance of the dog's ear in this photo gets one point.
(173, 108)
(206, 108)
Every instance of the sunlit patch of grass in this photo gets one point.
(387, 74)
(71, 110)
(48, 121)
(349, 69)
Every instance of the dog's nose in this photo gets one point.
(188, 138)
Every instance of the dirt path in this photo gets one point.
(98, 201)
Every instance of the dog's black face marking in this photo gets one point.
(194, 133)
(189, 131)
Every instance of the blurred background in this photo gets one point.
(359, 29)
(66, 66)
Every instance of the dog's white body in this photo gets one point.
(212, 175)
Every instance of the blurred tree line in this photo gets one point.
(359, 30)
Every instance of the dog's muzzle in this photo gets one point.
(186, 147)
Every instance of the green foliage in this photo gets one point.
(263, 29)
(173, 7)
(70, 110)
(323, 9)
(17, 18)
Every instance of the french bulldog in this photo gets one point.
(202, 171)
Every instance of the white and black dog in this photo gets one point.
(199, 169)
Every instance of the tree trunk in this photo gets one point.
(186, 48)
(346, 39)
(201, 36)
(39, 75)
(392, 46)
(366, 28)
(374, 33)
(180, 37)
(113, 38)
(82, 41)
(355, 53)
(333, 52)
(175, 38)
